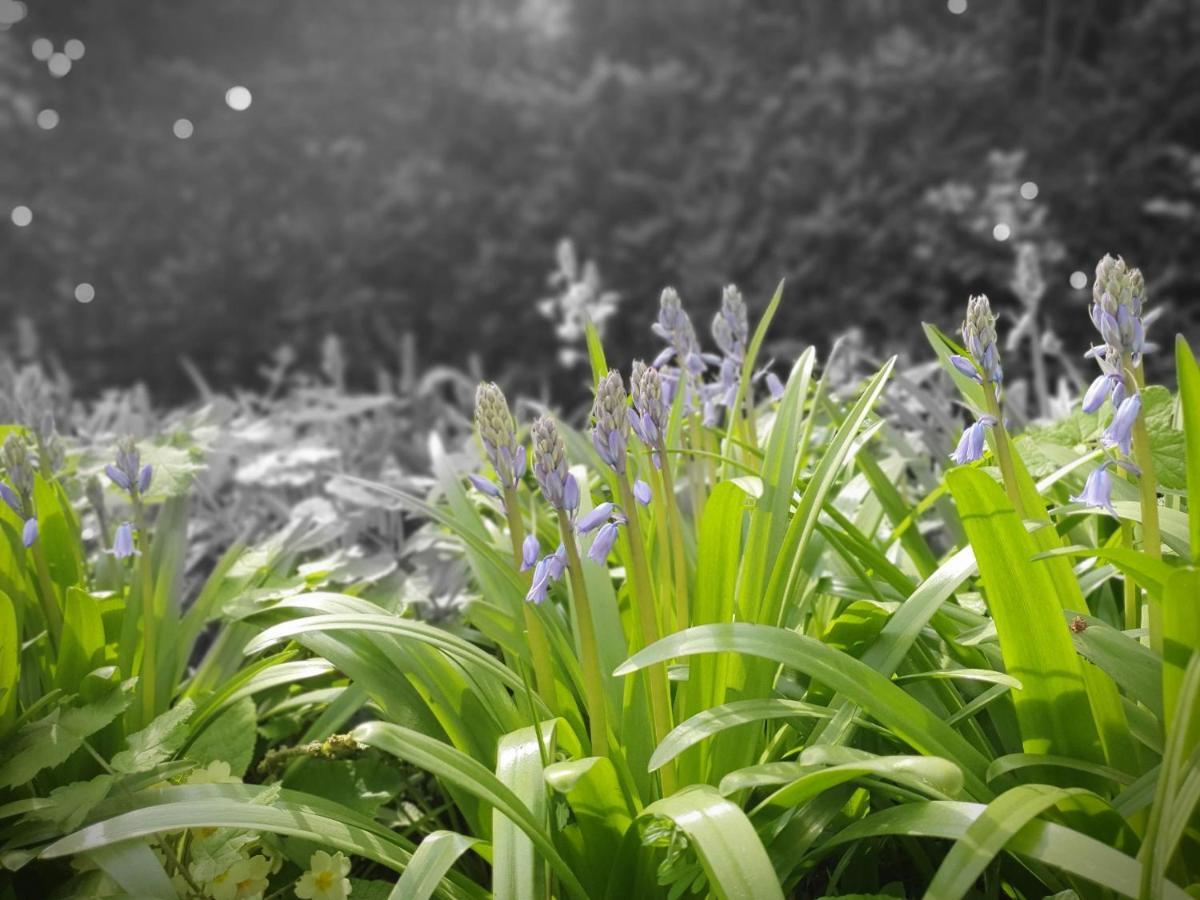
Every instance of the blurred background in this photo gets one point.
(188, 187)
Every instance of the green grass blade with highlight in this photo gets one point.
(432, 860)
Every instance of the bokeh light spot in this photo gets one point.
(11, 13)
(958, 7)
(47, 119)
(182, 129)
(1029, 190)
(238, 98)
(74, 48)
(43, 49)
(22, 216)
(85, 293)
(60, 64)
(1001, 232)
(1078, 280)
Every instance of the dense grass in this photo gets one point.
(817, 659)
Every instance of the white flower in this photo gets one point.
(326, 878)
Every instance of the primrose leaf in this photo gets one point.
(157, 742)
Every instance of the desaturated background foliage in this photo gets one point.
(408, 167)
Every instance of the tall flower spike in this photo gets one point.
(731, 325)
(1118, 298)
(498, 434)
(610, 412)
(979, 335)
(18, 466)
(649, 416)
(550, 465)
(675, 327)
(128, 473)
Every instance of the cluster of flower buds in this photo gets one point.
(1118, 295)
(979, 337)
(558, 485)
(19, 494)
(649, 419)
(49, 444)
(128, 473)
(498, 434)
(610, 415)
(675, 327)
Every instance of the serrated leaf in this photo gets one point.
(157, 742)
(71, 803)
(230, 738)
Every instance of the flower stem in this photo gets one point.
(593, 685)
(149, 683)
(643, 590)
(679, 563)
(1148, 488)
(539, 643)
(49, 600)
(1003, 448)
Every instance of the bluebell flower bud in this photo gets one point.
(484, 485)
(966, 367)
(731, 325)
(595, 518)
(550, 464)
(498, 434)
(127, 472)
(979, 336)
(145, 476)
(642, 492)
(610, 414)
(123, 546)
(530, 548)
(649, 416)
(570, 493)
(1100, 389)
(1120, 430)
(603, 544)
(18, 466)
(1097, 490)
(29, 533)
(10, 497)
(775, 386)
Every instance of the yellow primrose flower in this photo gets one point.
(246, 879)
(326, 878)
(216, 772)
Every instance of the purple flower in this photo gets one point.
(775, 386)
(1110, 383)
(29, 533)
(1118, 298)
(979, 335)
(541, 581)
(1097, 490)
(610, 412)
(497, 433)
(10, 497)
(970, 445)
(570, 499)
(484, 485)
(550, 465)
(595, 518)
(144, 478)
(530, 548)
(966, 367)
(123, 547)
(119, 478)
(642, 492)
(557, 562)
(1120, 431)
(603, 544)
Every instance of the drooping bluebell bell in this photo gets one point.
(484, 485)
(595, 518)
(29, 533)
(1097, 490)
(123, 546)
(610, 417)
(603, 543)
(1119, 432)
(128, 473)
(979, 336)
(642, 492)
(557, 483)
(971, 444)
(498, 434)
(649, 416)
(1118, 299)
(530, 548)
(548, 570)
(1107, 384)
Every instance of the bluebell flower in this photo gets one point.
(971, 444)
(550, 465)
(1105, 385)
(10, 497)
(144, 478)
(979, 336)
(484, 485)
(966, 367)
(675, 327)
(610, 415)
(1120, 430)
(731, 325)
(530, 548)
(570, 493)
(642, 492)
(1097, 490)
(18, 466)
(557, 562)
(775, 386)
(1118, 299)
(123, 546)
(595, 518)
(603, 544)
(541, 581)
(128, 473)
(29, 533)
(648, 418)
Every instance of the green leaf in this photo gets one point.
(133, 866)
(10, 664)
(82, 647)
(1188, 373)
(1181, 640)
(157, 742)
(602, 816)
(433, 859)
(729, 849)
(911, 721)
(1013, 762)
(1128, 662)
(929, 775)
(229, 737)
(517, 873)
(460, 770)
(70, 804)
(1053, 707)
(49, 741)
(1167, 444)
